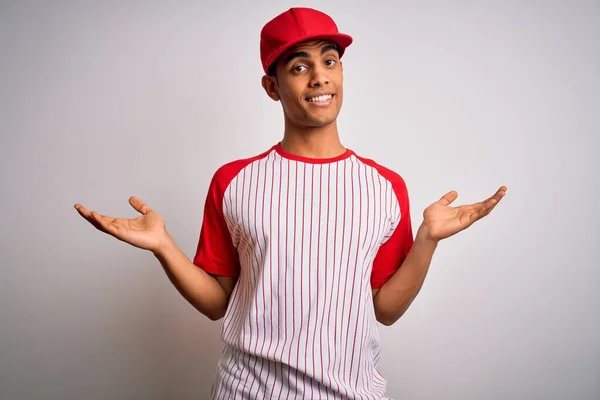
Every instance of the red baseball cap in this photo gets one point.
(296, 25)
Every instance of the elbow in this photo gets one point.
(214, 314)
(214, 317)
(388, 317)
(387, 321)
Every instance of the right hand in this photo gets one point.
(146, 231)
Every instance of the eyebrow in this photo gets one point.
(303, 54)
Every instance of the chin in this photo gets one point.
(320, 120)
(318, 123)
(313, 120)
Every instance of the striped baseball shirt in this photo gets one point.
(308, 239)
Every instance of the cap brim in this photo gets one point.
(341, 39)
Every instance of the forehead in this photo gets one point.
(308, 47)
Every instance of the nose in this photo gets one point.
(319, 76)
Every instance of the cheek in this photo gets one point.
(292, 105)
(289, 101)
(292, 99)
(292, 87)
(339, 94)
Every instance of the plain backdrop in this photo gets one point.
(101, 100)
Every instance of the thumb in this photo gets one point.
(448, 198)
(139, 205)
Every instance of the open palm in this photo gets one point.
(443, 221)
(146, 231)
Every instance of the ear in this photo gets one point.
(342, 65)
(269, 83)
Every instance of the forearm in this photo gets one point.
(397, 294)
(198, 287)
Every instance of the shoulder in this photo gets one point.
(395, 179)
(227, 172)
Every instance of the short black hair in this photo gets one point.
(272, 71)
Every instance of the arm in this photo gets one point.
(397, 294)
(207, 293)
(440, 221)
(208, 280)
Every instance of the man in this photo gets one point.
(303, 248)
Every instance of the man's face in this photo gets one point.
(308, 83)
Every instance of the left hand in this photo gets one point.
(442, 221)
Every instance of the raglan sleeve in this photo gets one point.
(393, 251)
(216, 253)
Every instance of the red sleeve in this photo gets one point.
(216, 253)
(393, 252)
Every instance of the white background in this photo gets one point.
(103, 100)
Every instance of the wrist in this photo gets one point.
(165, 242)
(423, 236)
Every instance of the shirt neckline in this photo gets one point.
(277, 147)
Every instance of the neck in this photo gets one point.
(321, 142)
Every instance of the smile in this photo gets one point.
(320, 100)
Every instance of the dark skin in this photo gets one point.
(315, 67)
(301, 73)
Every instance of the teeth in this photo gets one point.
(320, 98)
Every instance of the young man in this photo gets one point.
(305, 247)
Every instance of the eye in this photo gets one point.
(331, 62)
(299, 68)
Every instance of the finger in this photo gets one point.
(82, 210)
(491, 204)
(488, 204)
(472, 211)
(139, 205)
(494, 200)
(105, 223)
(499, 193)
(87, 214)
(486, 207)
(475, 211)
(448, 198)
